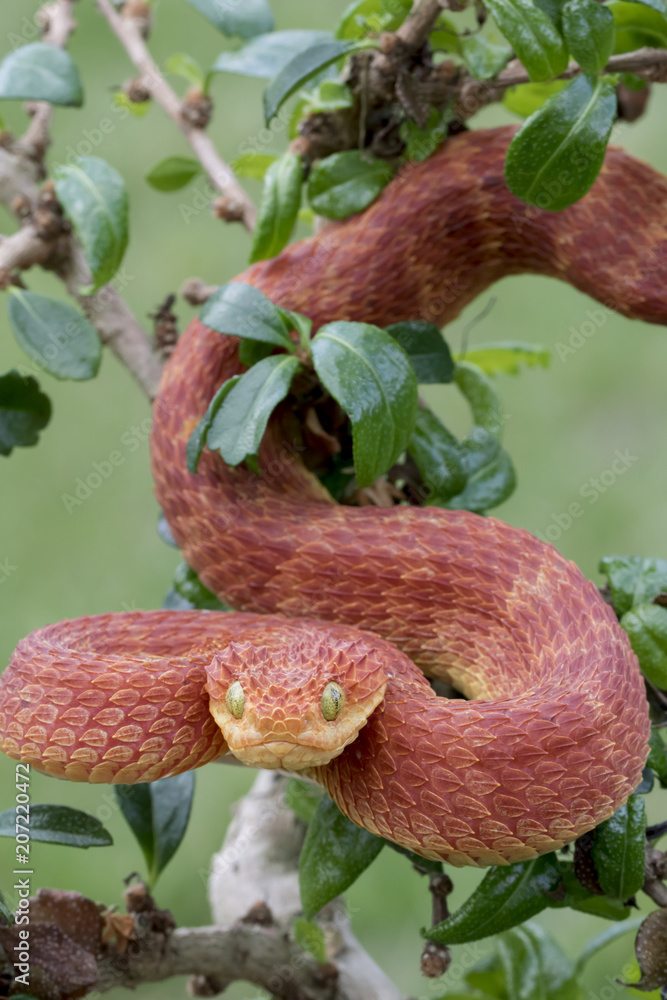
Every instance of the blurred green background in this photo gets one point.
(564, 426)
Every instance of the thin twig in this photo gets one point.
(220, 173)
(419, 23)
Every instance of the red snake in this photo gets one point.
(554, 736)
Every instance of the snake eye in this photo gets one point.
(333, 700)
(235, 700)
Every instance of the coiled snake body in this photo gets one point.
(344, 610)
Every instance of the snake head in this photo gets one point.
(298, 702)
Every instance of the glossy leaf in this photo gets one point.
(638, 25)
(618, 850)
(490, 486)
(301, 68)
(485, 52)
(657, 758)
(40, 72)
(281, 199)
(372, 378)
(421, 142)
(488, 975)
(241, 310)
(94, 197)
(345, 183)
(245, 19)
(553, 9)
(334, 854)
(197, 440)
(266, 55)
(507, 356)
(58, 825)
(253, 165)
(571, 893)
(555, 157)
(303, 798)
(484, 402)
(659, 5)
(158, 815)
(188, 585)
(525, 99)
(506, 896)
(426, 348)
(329, 95)
(238, 427)
(646, 626)
(310, 937)
(437, 455)
(536, 968)
(173, 173)
(590, 33)
(532, 35)
(57, 336)
(24, 412)
(634, 580)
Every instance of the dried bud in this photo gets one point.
(435, 960)
(196, 292)
(47, 223)
(139, 12)
(205, 986)
(228, 208)
(165, 335)
(260, 914)
(197, 108)
(651, 951)
(6, 139)
(632, 103)
(584, 866)
(20, 207)
(136, 91)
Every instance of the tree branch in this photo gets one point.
(237, 203)
(420, 22)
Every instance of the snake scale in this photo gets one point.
(343, 612)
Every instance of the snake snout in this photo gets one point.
(296, 705)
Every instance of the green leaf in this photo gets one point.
(634, 580)
(94, 197)
(571, 893)
(173, 173)
(657, 758)
(372, 378)
(553, 9)
(555, 157)
(659, 5)
(528, 97)
(245, 19)
(266, 55)
(485, 52)
(334, 854)
(238, 427)
(345, 183)
(487, 410)
(426, 348)
(24, 411)
(363, 16)
(197, 440)
(302, 67)
(136, 108)
(590, 33)
(58, 825)
(507, 356)
(532, 35)
(41, 72)
(602, 940)
(303, 798)
(57, 336)
(253, 165)
(281, 199)
(437, 455)
(618, 850)
(158, 815)
(536, 968)
(252, 351)
(183, 65)
(421, 142)
(506, 896)
(638, 25)
(329, 95)
(188, 585)
(310, 937)
(5, 912)
(241, 310)
(646, 626)
(487, 488)
(488, 975)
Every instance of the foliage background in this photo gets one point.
(564, 426)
